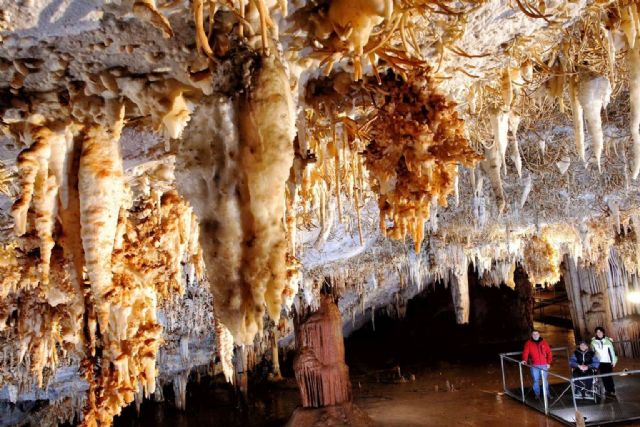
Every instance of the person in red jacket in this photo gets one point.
(537, 354)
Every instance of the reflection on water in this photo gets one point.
(214, 403)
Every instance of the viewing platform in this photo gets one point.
(565, 401)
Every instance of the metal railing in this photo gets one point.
(555, 389)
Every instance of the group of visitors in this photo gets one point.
(598, 356)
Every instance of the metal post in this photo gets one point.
(573, 395)
(504, 381)
(544, 391)
(521, 381)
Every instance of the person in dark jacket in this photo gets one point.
(584, 363)
(603, 347)
(538, 354)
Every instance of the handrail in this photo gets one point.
(520, 352)
(531, 366)
(613, 374)
(548, 406)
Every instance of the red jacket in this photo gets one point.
(540, 352)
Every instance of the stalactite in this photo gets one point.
(242, 213)
(180, 390)
(500, 128)
(459, 283)
(101, 187)
(526, 189)
(541, 260)
(633, 61)
(514, 124)
(578, 118)
(266, 132)
(491, 167)
(224, 347)
(594, 94)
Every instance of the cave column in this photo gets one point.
(571, 280)
(599, 298)
(320, 368)
(525, 300)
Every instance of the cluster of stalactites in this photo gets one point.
(78, 214)
(417, 142)
(41, 304)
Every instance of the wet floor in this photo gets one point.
(451, 394)
(435, 394)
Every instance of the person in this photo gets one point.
(584, 363)
(539, 352)
(603, 347)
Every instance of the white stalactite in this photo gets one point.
(500, 127)
(578, 119)
(514, 124)
(594, 95)
(526, 189)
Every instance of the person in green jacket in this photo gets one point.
(603, 347)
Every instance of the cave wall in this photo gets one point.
(498, 317)
(599, 297)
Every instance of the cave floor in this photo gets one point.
(462, 395)
(452, 394)
(445, 394)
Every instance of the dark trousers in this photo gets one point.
(606, 368)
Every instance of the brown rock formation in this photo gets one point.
(321, 373)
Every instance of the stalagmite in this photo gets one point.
(180, 389)
(594, 94)
(144, 160)
(322, 375)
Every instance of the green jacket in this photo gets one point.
(604, 350)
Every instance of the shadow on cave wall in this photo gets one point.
(500, 320)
